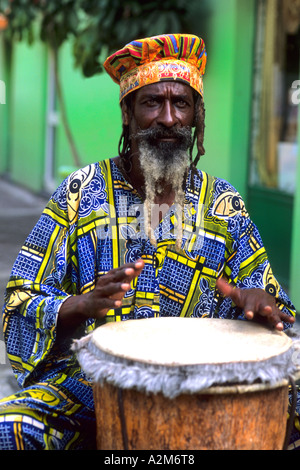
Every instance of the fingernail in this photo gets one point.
(249, 315)
(129, 271)
(279, 326)
(125, 286)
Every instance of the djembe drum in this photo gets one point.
(187, 383)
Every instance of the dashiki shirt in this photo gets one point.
(95, 222)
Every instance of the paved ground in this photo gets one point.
(19, 210)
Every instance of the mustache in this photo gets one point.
(183, 134)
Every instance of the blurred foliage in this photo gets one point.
(96, 27)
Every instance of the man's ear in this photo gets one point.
(125, 114)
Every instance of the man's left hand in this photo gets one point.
(256, 303)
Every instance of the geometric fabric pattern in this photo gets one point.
(94, 222)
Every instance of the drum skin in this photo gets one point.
(247, 418)
(189, 384)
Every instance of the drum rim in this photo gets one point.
(243, 388)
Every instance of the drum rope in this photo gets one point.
(122, 419)
(292, 412)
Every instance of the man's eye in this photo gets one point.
(181, 103)
(152, 102)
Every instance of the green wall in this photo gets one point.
(228, 29)
(4, 110)
(3, 129)
(227, 26)
(28, 118)
(272, 212)
(23, 116)
(93, 112)
(295, 235)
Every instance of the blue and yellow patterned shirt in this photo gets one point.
(93, 223)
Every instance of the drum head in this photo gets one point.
(174, 355)
(176, 341)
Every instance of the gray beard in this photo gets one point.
(158, 172)
(163, 164)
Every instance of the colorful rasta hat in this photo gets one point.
(180, 57)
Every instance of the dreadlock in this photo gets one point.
(124, 142)
(198, 136)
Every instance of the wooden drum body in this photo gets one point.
(244, 420)
(188, 384)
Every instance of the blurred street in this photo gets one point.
(19, 211)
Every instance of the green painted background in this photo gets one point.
(94, 113)
(95, 118)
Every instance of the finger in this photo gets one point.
(279, 326)
(111, 289)
(249, 314)
(123, 274)
(250, 309)
(287, 318)
(273, 317)
(275, 314)
(229, 291)
(247, 303)
(103, 305)
(225, 288)
(137, 268)
(133, 271)
(115, 276)
(284, 318)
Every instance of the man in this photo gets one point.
(143, 234)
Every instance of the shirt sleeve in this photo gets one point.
(246, 261)
(41, 280)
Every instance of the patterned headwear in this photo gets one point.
(180, 57)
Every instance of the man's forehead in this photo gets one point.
(165, 87)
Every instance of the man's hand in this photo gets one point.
(107, 294)
(255, 302)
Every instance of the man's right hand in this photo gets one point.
(107, 294)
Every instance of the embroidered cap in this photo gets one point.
(180, 57)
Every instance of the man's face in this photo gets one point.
(162, 109)
(165, 104)
(160, 128)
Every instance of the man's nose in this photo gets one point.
(167, 115)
